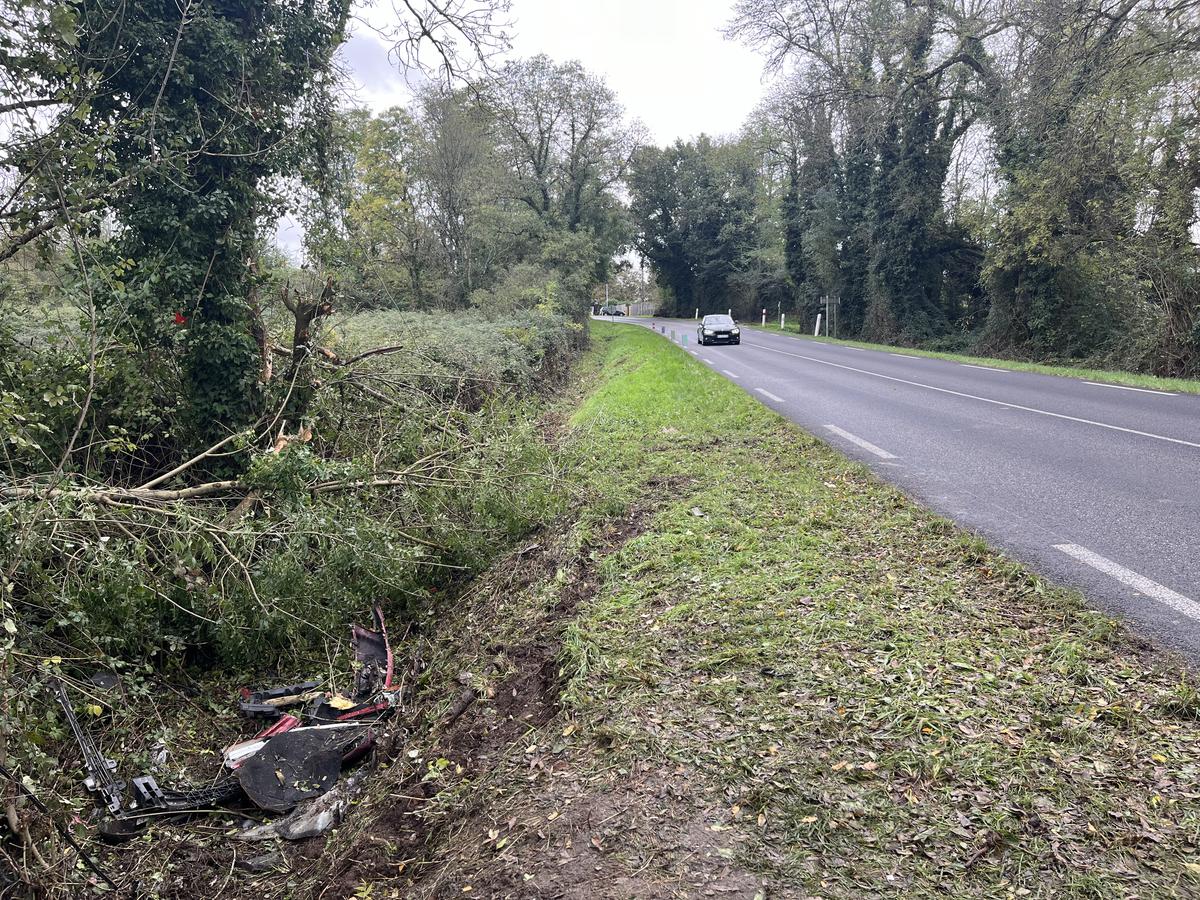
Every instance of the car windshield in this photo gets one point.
(718, 320)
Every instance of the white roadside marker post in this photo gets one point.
(782, 316)
(764, 319)
(817, 330)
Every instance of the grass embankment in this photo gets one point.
(1109, 376)
(782, 679)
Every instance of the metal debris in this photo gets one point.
(293, 764)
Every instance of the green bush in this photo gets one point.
(186, 583)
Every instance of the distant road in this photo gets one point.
(1094, 486)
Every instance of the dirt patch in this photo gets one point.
(493, 718)
(646, 834)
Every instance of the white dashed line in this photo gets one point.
(1129, 578)
(987, 368)
(906, 356)
(731, 374)
(1122, 387)
(769, 395)
(866, 445)
(1032, 409)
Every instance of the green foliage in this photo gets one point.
(1035, 204)
(463, 198)
(383, 506)
(197, 145)
(694, 207)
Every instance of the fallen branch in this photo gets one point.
(210, 489)
(166, 476)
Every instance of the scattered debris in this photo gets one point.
(266, 863)
(270, 703)
(311, 818)
(293, 764)
(101, 777)
(297, 765)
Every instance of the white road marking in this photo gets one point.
(857, 349)
(707, 360)
(769, 395)
(866, 445)
(906, 356)
(1128, 577)
(941, 390)
(731, 374)
(1122, 387)
(987, 368)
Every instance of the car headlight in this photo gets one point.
(736, 331)
(708, 331)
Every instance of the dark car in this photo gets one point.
(718, 330)
(611, 311)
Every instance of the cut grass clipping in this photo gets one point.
(878, 703)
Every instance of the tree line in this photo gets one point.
(1011, 176)
(500, 194)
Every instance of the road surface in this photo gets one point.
(1094, 486)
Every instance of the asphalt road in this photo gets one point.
(1094, 486)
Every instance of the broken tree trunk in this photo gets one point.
(307, 312)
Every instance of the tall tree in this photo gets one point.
(562, 135)
(191, 111)
(693, 205)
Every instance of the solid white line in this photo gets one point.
(769, 395)
(987, 368)
(941, 390)
(866, 445)
(1139, 583)
(731, 374)
(1121, 387)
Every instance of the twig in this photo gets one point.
(166, 476)
(66, 835)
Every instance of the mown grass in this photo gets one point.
(886, 706)
(1108, 376)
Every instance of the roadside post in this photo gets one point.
(782, 316)
(764, 319)
(729, 312)
(831, 314)
(697, 316)
(817, 330)
(685, 339)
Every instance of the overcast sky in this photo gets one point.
(666, 59)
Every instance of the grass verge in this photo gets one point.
(1108, 376)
